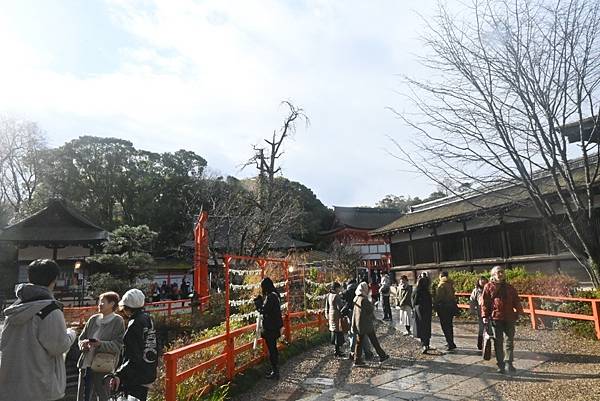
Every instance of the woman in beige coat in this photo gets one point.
(103, 333)
(333, 307)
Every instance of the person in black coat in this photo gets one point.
(423, 308)
(268, 304)
(137, 370)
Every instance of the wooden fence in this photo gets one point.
(226, 360)
(530, 307)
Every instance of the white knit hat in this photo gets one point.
(133, 298)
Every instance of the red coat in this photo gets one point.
(500, 302)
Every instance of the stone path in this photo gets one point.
(460, 375)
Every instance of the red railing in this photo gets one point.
(226, 360)
(534, 312)
(168, 308)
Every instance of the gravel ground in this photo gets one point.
(321, 363)
(572, 371)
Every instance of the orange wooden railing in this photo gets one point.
(534, 312)
(168, 308)
(226, 360)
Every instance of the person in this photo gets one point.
(446, 307)
(363, 319)
(475, 308)
(333, 308)
(405, 303)
(422, 306)
(35, 339)
(185, 289)
(386, 283)
(139, 359)
(103, 333)
(164, 291)
(375, 292)
(268, 304)
(501, 308)
(348, 296)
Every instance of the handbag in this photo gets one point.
(345, 324)
(104, 362)
(487, 343)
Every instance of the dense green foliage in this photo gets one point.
(524, 282)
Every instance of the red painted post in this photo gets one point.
(169, 309)
(286, 317)
(230, 351)
(596, 314)
(170, 379)
(532, 312)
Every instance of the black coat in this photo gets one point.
(423, 307)
(272, 320)
(140, 351)
(348, 298)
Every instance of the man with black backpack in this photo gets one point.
(35, 339)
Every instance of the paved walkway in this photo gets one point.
(460, 375)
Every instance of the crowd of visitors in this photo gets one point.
(350, 312)
(120, 341)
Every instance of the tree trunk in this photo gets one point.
(592, 267)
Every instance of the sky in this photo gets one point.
(210, 76)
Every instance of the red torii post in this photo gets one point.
(201, 287)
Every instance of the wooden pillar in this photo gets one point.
(466, 243)
(504, 239)
(411, 249)
(436, 247)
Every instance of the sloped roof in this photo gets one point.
(57, 223)
(475, 203)
(365, 218)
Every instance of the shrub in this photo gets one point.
(581, 328)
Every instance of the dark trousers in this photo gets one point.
(271, 342)
(360, 339)
(501, 328)
(387, 309)
(137, 391)
(446, 321)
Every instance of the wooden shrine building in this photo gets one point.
(56, 232)
(352, 225)
(477, 231)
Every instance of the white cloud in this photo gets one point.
(209, 76)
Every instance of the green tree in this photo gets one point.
(126, 254)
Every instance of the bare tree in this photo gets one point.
(505, 80)
(21, 145)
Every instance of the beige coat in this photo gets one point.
(333, 306)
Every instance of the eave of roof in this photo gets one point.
(472, 204)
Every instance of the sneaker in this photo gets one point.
(351, 356)
(511, 368)
(272, 376)
(359, 363)
(384, 358)
(424, 350)
(406, 333)
(501, 370)
(450, 347)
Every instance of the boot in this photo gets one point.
(479, 343)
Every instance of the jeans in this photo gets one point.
(501, 328)
(387, 309)
(366, 345)
(359, 341)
